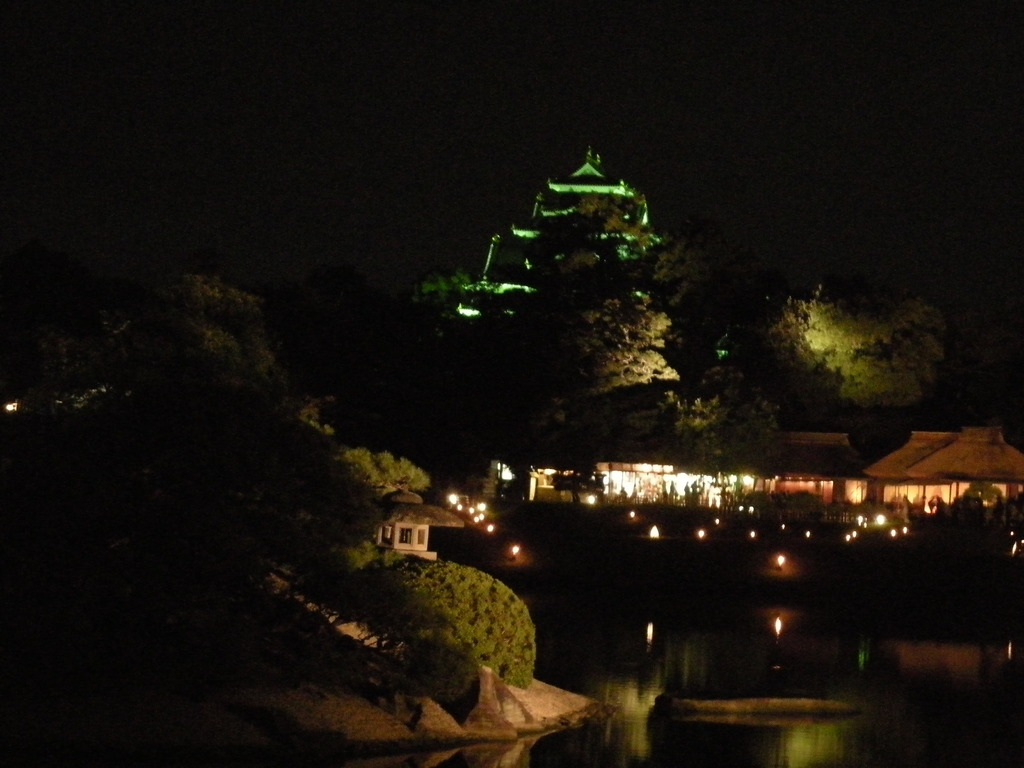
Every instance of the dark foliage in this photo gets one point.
(155, 476)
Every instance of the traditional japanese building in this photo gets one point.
(943, 466)
(823, 464)
(586, 209)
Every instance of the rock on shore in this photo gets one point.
(262, 722)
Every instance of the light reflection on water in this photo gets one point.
(921, 702)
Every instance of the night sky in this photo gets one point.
(399, 136)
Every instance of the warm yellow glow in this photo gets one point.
(591, 499)
(701, 533)
(650, 632)
(453, 498)
(892, 533)
(632, 514)
(481, 507)
(11, 407)
(780, 560)
(490, 528)
(655, 533)
(514, 550)
(753, 534)
(879, 519)
(807, 534)
(905, 529)
(847, 537)
(778, 626)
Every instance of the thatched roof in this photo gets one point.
(814, 454)
(423, 514)
(402, 497)
(973, 454)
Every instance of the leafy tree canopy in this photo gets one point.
(725, 426)
(718, 296)
(384, 472)
(884, 350)
(156, 477)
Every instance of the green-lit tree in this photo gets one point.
(880, 350)
(383, 471)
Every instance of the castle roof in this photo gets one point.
(589, 178)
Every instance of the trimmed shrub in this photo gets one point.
(434, 623)
(481, 615)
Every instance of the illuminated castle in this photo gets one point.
(584, 211)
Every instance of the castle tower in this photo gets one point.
(584, 210)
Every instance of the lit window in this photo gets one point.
(405, 535)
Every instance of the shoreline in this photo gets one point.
(268, 723)
(952, 584)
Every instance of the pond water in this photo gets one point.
(921, 701)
